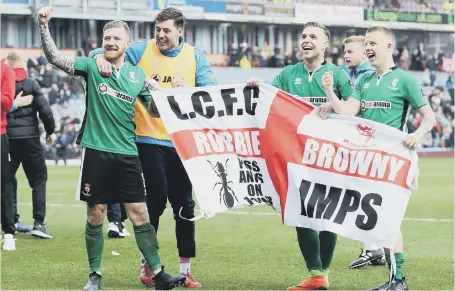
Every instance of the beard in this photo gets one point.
(114, 55)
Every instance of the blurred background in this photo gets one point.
(241, 39)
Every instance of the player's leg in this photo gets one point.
(35, 169)
(370, 255)
(130, 188)
(154, 172)
(95, 185)
(309, 244)
(181, 198)
(114, 217)
(123, 217)
(398, 281)
(328, 241)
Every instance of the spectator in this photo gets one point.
(25, 144)
(7, 207)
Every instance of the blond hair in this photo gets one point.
(354, 38)
(117, 24)
(14, 60)
(385, 30)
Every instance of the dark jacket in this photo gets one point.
(23, 122)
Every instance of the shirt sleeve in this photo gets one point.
(81, 65)
(414, 93)
(278, 81)
(204, 73)
(344, 84)
(145, 94)
(135, 51)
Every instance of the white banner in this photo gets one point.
(243, 147)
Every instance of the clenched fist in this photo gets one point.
(327, 80)
(44, 15)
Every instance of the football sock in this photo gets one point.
(148, 245)
(309, 246)
(328, 241)
(94, 243)
(399, 259)
(185, 265)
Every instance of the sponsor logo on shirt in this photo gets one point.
(366, 85)
(393, 86)
(298, 81)
(375, 104)
(103, 88)
(165, 79)
(313, 100)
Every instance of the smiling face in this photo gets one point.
(314, 42)
(167, 34)
(116, 41)
(379, 48)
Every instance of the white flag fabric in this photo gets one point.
(243, 147)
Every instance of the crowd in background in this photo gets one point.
(67, 100)
(66, 96)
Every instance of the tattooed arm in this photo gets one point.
(53, 55)
(58, 59)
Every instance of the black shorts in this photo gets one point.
(110, 178)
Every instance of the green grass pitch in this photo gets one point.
(257, 252)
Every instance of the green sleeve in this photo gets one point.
(344, 84)
(145, 94)
(414, 93)
(81, 65)
(357, 94)
(278, 80)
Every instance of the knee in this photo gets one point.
(95, 214)
(138, 213)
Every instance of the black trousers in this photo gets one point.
(116, 212)
(166, 178)
(7, 207)
(30, 154)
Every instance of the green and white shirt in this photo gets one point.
(296, 80)
(388, 99)
(110, 106)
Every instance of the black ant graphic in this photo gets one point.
(225, 192)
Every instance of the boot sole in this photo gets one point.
(40, 234)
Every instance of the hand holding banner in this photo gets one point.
(244, 146)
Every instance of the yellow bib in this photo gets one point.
(162, 69)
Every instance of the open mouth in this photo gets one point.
(162, 42)
(307, 48)
(348, 62)
(371, 55)
(111, 49)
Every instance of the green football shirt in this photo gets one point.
(110, 106)
(388, 99)
(296, 80)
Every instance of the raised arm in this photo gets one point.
(350, 107)
(54, 56)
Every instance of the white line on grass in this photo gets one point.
(239, 212)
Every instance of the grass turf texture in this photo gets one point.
(257, 252)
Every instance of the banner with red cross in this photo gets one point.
(244, 146)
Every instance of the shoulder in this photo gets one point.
(292, 68)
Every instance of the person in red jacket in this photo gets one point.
(8, 89)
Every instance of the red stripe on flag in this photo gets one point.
(326, 163)
(279, 140)
(243, 142)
